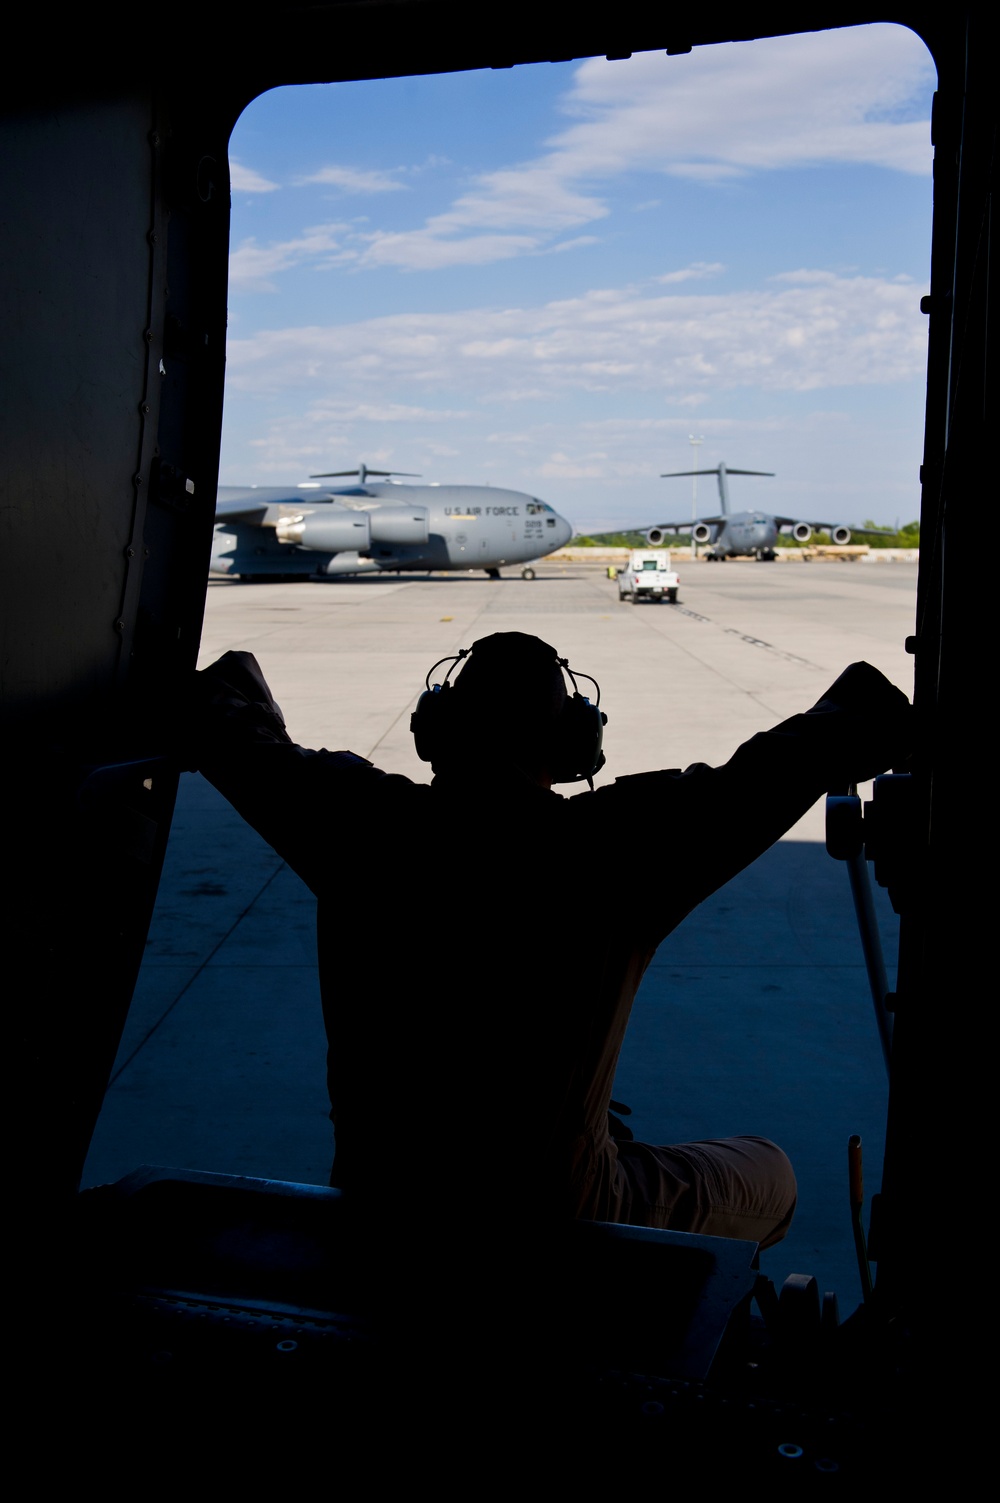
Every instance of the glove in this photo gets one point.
(874, 721)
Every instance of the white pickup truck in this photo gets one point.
(648, 575)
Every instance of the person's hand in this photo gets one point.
(877, 720)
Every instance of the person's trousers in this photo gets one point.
(723, 1187)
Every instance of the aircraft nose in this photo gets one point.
(564, 531)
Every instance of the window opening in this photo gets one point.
(569, 279)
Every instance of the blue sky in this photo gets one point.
(554, 277)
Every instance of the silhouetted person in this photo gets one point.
(481, 938)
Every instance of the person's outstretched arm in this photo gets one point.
(235, 736)
(722, 818)
(860, 727)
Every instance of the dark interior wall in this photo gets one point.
(943, 1079)
(112, 343)
(112, 334)
(77, 190)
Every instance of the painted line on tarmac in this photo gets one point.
(789, 657)
(751, 641)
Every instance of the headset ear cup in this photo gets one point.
(429, 720)
(576, 744)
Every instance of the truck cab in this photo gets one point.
(649, 574)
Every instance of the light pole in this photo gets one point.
(694, 442)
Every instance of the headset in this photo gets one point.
(574, 753)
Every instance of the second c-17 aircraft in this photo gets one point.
(744, 534)
(315, 531)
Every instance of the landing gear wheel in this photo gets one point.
(492, 573)
(527, 573)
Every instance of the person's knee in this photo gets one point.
(782, 1187)
(781, 1165)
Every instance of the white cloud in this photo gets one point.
(697, 271)
(353, 180)
(842, 96)
(478, 227)
(334, 411)
(251, 266)
(245, 180)
(425, 250)
(574, 244)
(539, 194)
(801, 332)
(335, 431)
(567, 467)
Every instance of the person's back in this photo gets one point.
(469, 1032)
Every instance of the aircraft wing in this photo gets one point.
(871, 532)
(249, 504)
(232, 510)
(675, 526)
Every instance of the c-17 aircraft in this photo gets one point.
(318, 532)
(745, 534)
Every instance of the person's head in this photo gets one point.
(508, 706)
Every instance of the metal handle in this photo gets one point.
(845, 842)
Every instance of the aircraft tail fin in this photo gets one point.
(721, 470)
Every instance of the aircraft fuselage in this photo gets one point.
(308, 531)
(745, 534)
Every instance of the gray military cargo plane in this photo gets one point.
(318, 532)
(747, 534)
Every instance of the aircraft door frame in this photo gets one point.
(134, 517)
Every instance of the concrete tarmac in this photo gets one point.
(755, 1016)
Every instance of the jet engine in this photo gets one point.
(701, 532)
(327, 532)
(655, 536)
(802, 532)
(840, 535)
(399, 524)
